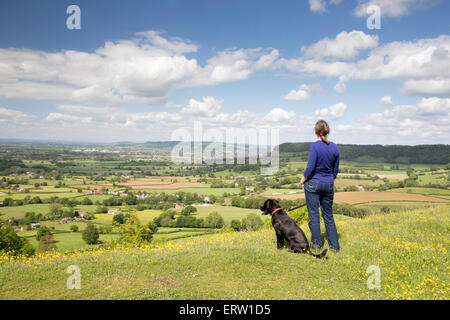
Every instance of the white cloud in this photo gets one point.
(208, 110)
(151, 118)
(143, 70)
(233, 65)
(241, 118)
(386, 100)
(426, 61)
(81, 109)
(344, 46)
(303, 93)
(430, 116)
(209, 107)
(317, 5)
(340, 87)
(14, 116)
(71, 119)
(278, 115)
(391, 8)
(427, 88)
(175, 46)
(110, 116)
(343, 127)
(388, 8)
(321, 5)
(333, 112)
(423, 122)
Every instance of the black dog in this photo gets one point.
(286, 228)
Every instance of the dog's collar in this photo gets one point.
(275, 211)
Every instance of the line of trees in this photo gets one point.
(428, 154)
(168, 218)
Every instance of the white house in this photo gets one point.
(35, 225)
(114, 212)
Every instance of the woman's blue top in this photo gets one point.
(323, 163)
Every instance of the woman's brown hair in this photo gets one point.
(322, 129)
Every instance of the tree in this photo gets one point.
(132, 231)
(188, 210)
(35, 200)
(252, 222)
(90, 235)
(214, 220)
(101, 209)
(140, 207)
(189, 222)
(118, 219)
(10, 242)
(409, 171)
(236, 225)
(164, 219)
(152, 225)
(68, 213)
(55, 209)
(43, 231)
(8, 202)
(47, 243)
(86, 202)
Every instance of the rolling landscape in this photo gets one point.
(394, 212)
(140, 142)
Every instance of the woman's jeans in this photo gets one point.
(321, 192)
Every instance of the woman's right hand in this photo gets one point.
(303, 181)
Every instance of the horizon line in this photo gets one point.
(74, 142)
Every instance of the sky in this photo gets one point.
(140, 70)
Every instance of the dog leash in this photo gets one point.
(278, 209)
(301, 206)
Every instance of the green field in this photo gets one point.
(408, 240)
(397, 205)
(144, 216)
(240, 265)
(71, 241)
(67, 240)
(19, 211)
(440, 178)
(42, 195)
(200, 190)
(227, 212)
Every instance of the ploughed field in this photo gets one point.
(142, 185)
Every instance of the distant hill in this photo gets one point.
(396, 154)
(429, 154)
(160, 144)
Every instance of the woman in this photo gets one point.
(318, 183)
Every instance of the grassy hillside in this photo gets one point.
(411, 249)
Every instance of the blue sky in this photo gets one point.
(138, 70)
